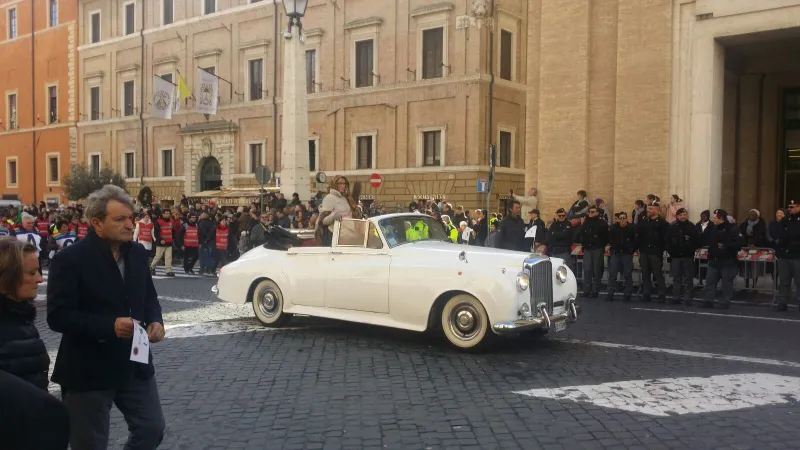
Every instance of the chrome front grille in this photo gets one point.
(540, 271)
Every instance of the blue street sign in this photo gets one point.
(483, 185)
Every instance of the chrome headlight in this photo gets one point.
(523, 281)
(561, 274)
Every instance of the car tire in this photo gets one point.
(268, 304)
(465, 323)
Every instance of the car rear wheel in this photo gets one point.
(465, 322)
(268, 304)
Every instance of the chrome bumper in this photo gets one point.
(215, 290)
(544, 320)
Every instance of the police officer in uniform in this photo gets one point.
(594, 237)
(622, 237)
(652, 233)
(726, 240)
(559, 239)
(683, 240)
(789, 258)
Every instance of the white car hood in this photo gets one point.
(447, 251)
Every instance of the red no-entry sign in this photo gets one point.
(375, 180)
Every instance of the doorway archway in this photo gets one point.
(210, 174)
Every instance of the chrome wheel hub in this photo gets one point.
(268, 302)
(465, 321)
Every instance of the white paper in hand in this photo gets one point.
(466, 234)
(531, 233)
(140, 350)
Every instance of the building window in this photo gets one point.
(129, 165)
(432, 53)
(94, 102)
(256, 73)
(432, 148)
(12, 23)
(209, 6)
(94, 164)
(12, 112)
(506, 147)
(127, 98)
(256, 156)
(52, 104)
(53, 12)
(364, 62)
(52, 169)
(506, 54)
(166, 163)
(311, 71)
(312, 155)
(167, 12)
(95, 27)
(130, 18)
(364, 147)
(212, 70)
(167, 77)
(11, 172)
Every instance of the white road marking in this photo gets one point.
(190, 330)
(699, 313)
(745, 359)
(678, 396)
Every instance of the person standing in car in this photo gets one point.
(594, 237)
(726, 242)
(683, 240)
(652, 233)
(622, 237)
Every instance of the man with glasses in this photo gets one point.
(559, 239)
(622, 237)
(789, 264)
(258, 235)
(594, 236)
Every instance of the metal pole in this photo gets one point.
(141, 101)
(33, 96)
(275, 47)
(491, 111)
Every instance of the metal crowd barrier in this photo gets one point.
(753, 264)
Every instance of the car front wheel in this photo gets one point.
(465, 322)
(268, 304)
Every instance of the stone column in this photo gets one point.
(294, 170)
(704, 190)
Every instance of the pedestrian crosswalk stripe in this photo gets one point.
(666, 397)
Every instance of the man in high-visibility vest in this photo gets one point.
(422, 228)
(191, 244)
(452, 231)
(162, 236)
(411, 233)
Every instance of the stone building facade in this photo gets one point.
(38, 83)
(620, 98)
(372, 109)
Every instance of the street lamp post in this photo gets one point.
(294, 140)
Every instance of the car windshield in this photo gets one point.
(412, 228)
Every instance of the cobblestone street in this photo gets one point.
(722, 380)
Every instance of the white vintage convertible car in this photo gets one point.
(401, 271)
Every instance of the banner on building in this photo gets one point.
(208, 92)
(163, 98)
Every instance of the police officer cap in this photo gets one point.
(560, 211)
